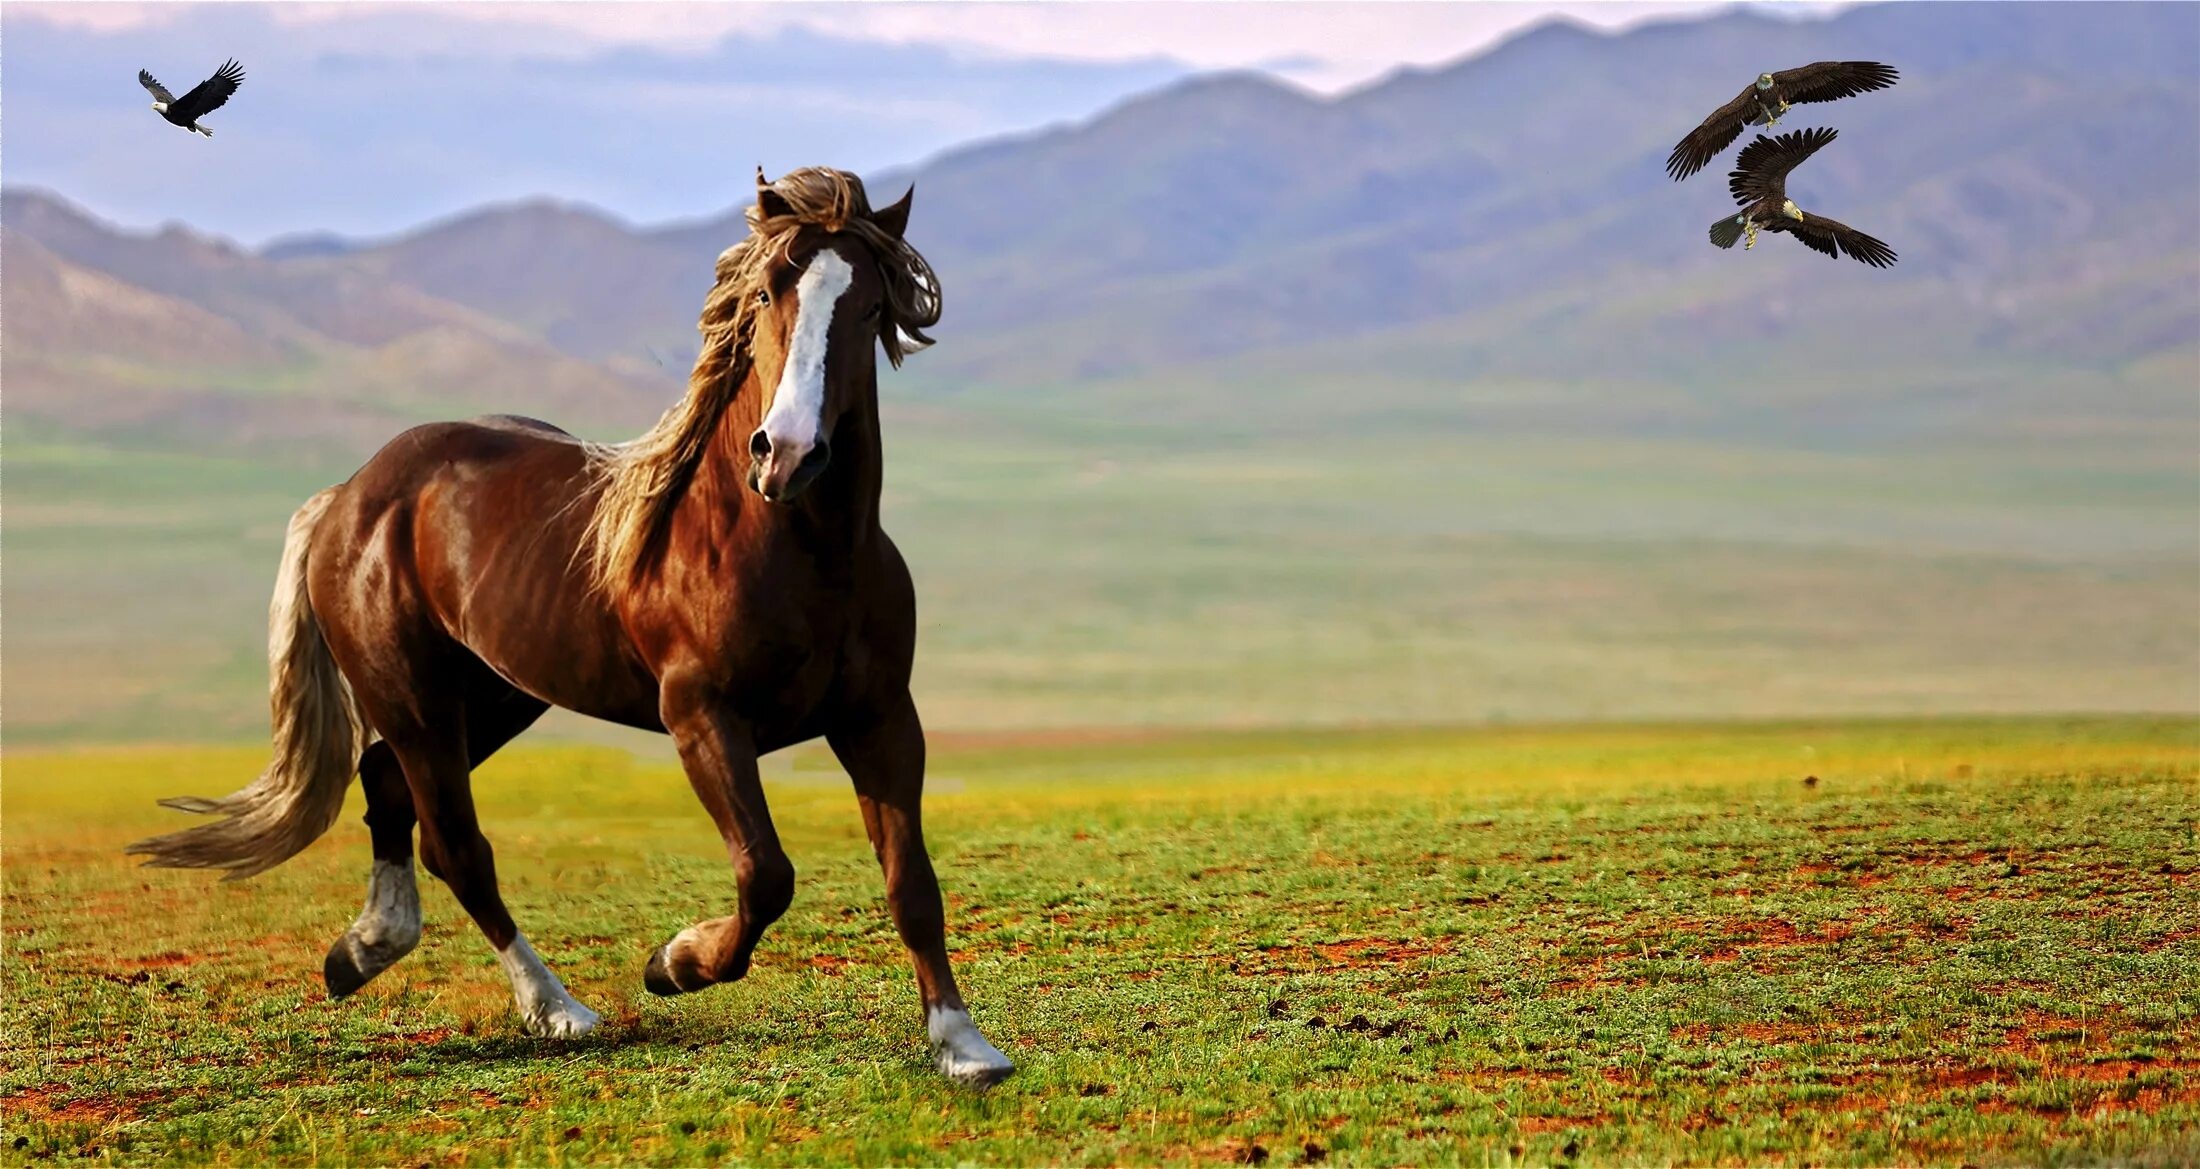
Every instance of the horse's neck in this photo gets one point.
(837, 513)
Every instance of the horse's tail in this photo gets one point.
(318, 732)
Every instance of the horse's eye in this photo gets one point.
(764, 297)
(872, 315)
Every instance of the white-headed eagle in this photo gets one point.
(1762, 102)
(209, 95)
(1759, 184)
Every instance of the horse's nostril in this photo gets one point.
(760, 444)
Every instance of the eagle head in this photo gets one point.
(1789, 209)
(1764, 81)
(160, 107)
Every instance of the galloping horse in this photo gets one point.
(723, 578)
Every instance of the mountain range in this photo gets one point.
(1490, 244)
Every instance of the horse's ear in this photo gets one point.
(770, 202)
(894, 220)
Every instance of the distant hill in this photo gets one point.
(1506, 217)
(1490, 244)
(167, 337)
(571, 275)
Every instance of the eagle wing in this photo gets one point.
(1834, 237)
(1706, 141)
(210, 94)
(1811, 240)
(160, 92)
(1761, 169)
(1833, 80)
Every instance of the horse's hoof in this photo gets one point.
(975, 1074)
(566, 1019)
(657, 976)
(973, 1071)
(340, 971)
(962, 1054)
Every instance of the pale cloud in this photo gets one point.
(1326, 45)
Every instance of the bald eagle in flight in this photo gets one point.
(208, 96)
(1763, 101)
(1759, 184)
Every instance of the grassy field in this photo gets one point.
(1964, 942)
(1074, 571)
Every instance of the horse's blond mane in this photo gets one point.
(644, 478)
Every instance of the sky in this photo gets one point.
(369, 118)
(1325, 46)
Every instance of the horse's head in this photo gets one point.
(835, 286)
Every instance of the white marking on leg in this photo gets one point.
(544, 1006)
(798, 405)
(388, 927)
(959, 1051)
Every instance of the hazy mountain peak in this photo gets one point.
(308, 245)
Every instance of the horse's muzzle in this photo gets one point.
(779, 473)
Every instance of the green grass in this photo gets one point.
(1075, 572)
(1966, 942)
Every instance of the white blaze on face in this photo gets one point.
(798, 405)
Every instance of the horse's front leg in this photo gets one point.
(884, 755)
(720, 758)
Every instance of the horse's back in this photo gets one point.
(520, 422)
(477, 449)
(473, 533)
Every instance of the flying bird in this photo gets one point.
(208, 96)
(1763, 101)
(1759, 184)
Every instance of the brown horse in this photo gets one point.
(722, 578)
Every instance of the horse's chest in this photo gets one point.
(778, 658)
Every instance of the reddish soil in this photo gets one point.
(168, 961)
(1952, 1078)
(43, 1105)
(1363, 952)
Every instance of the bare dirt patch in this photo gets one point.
(46, 1104)
(1363, 952)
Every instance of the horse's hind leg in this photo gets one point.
(388, 927)
(451, 835)
(430, 740)
(885, 758)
